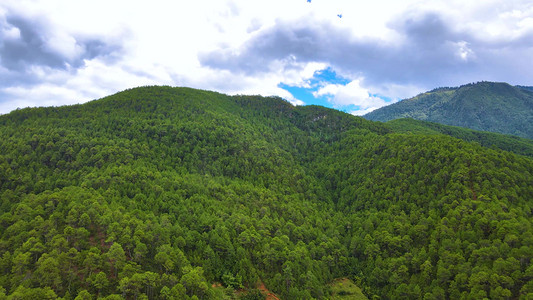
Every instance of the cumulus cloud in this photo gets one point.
(61, 49)
(351, 94)
(429, 50)
(39, 59)
(27, 43)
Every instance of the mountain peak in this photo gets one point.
(487, 106)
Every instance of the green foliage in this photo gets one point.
(486, 106)
(231, 281)
(160, 192)
(345, 289)
(254, 294)
(487, 139)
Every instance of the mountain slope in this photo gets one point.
(528, 88)
(486, 106)
(170, 193)
(487, 139)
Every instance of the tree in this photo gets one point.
(100, 282)
(22, 292)
(116, 257)
(48, 272)
(20, 263)
(84, 295)
(194, 282)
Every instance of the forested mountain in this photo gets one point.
(175, 193)
(486, 106)
(529, 88)
(511, 143)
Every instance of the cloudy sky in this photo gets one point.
(352, 55)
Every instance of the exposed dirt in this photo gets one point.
(269, 295)
(343, 280)
(99, 238)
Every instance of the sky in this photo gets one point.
(351, 55)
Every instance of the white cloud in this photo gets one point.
(163, 42)
(397, 91)
(300, 76)
(361, 112)
(350, 94)
(10, 32)
(463, 51)
(65, 45)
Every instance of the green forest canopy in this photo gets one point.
(488, 106)
(162, 193)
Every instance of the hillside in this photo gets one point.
(176, 193)
(485, 106)
(528, 88)
(511, 143)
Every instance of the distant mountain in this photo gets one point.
(486, 106)
(529, 88)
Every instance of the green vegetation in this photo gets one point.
(345, 289)
(486, 106)
(487, 139)
(162, 193)
(528, 88)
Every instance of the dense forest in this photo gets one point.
(488, 106)
(176, 193)
(511, 143)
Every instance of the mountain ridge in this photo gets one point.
(485, 106)
(501, 141)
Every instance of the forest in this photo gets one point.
(487, 106)
(175, 193)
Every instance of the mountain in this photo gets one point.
(511, 143)
(485, 106)
(176, 193)
(528, 88)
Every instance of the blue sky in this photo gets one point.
(311, 92)
(317, 90)
(54, 52)
(320, 78)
